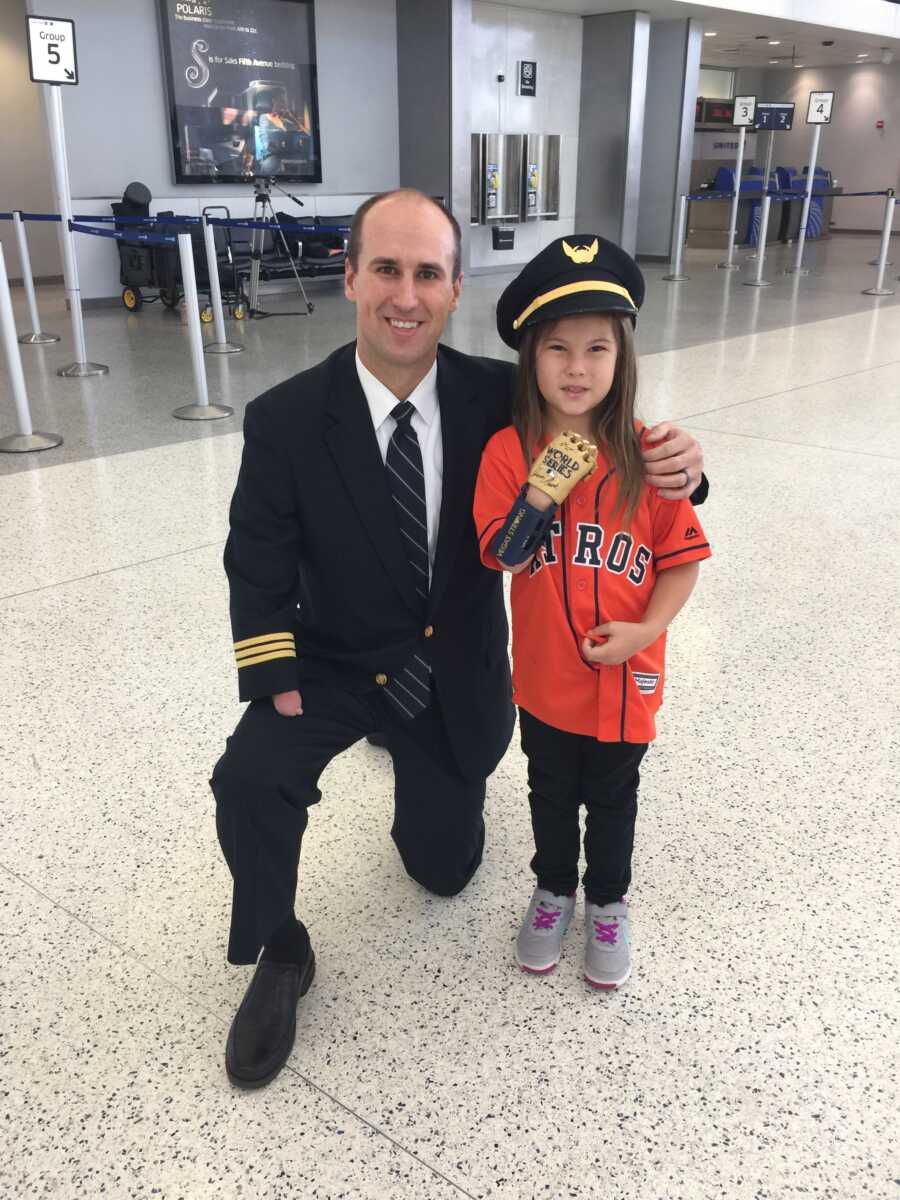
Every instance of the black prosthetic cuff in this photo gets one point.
(522, 532)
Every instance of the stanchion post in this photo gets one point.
(759, 282)
(879, 289)
(81, 367)
(27, 438)
(202, 410)
(798, 268)
(36, 337)
(221, 345)
(767, 170)
(676, 274)
(729, 264)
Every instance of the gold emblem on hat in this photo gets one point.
(582, 254)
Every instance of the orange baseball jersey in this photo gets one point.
(593, 567)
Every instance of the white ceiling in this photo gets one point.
(743, 39)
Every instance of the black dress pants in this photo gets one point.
(566, 770)
(268, 777)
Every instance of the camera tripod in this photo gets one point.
(264, 212)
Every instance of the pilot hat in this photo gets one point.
(582, 273)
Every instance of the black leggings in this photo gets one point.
(566, 770)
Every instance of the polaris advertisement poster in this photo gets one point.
(241, 79)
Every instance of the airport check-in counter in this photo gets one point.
(820, 209)
(708, 219)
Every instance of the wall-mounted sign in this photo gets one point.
(820, 106)
(242, 90)
(715, 144)
(779, 117)
(717, 112)
(527, 85)
(744, 111)
(51, 50)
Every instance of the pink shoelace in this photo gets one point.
(606, 933)
(546, 918)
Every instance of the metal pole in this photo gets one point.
(766, 173)
(879, 289)
(202, 410)
(36, 337)
(221, 345)
(81, 367)
(26, 439)
(729, 264)
(759, 282)
(798, 268)
(675, 273)
(769, 156)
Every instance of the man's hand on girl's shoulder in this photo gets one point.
(673, 461)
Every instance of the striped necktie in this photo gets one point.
(410, 689)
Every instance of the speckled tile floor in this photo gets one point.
(753, 1054)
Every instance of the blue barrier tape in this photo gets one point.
(234, 222)
(249, 223)
(145, 239)
(40, 216)
(757, 195)
(179, 220)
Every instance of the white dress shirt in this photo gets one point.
(426, 421)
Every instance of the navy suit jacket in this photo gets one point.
(321, 586)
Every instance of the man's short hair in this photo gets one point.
(360, 215)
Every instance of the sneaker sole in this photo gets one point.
(609, 985)
(537, 970)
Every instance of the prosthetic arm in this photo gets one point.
(558, 469)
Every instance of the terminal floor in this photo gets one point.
(753, 1054)
(150, 368)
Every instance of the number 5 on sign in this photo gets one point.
(744, 111)
(820, 106)
(51, 50)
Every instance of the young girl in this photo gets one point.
(601, 567)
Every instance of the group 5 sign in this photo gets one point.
(51, 50)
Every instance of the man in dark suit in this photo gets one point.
(359, 604)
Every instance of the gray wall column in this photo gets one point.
(672, 84)
(433, 38)
(611, 128)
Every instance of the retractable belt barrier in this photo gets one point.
(784, 195)
(233, 222)
(676, 272)
(122, 235)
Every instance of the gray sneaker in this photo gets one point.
(539, 943)
(607, 944)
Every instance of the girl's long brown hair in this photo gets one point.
(612, 421)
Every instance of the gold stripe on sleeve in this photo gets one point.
(265, 637)
(261, 658)
(274, 644)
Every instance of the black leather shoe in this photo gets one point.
(377, 739)
(262, 1032)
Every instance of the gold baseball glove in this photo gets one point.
(564, 463)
